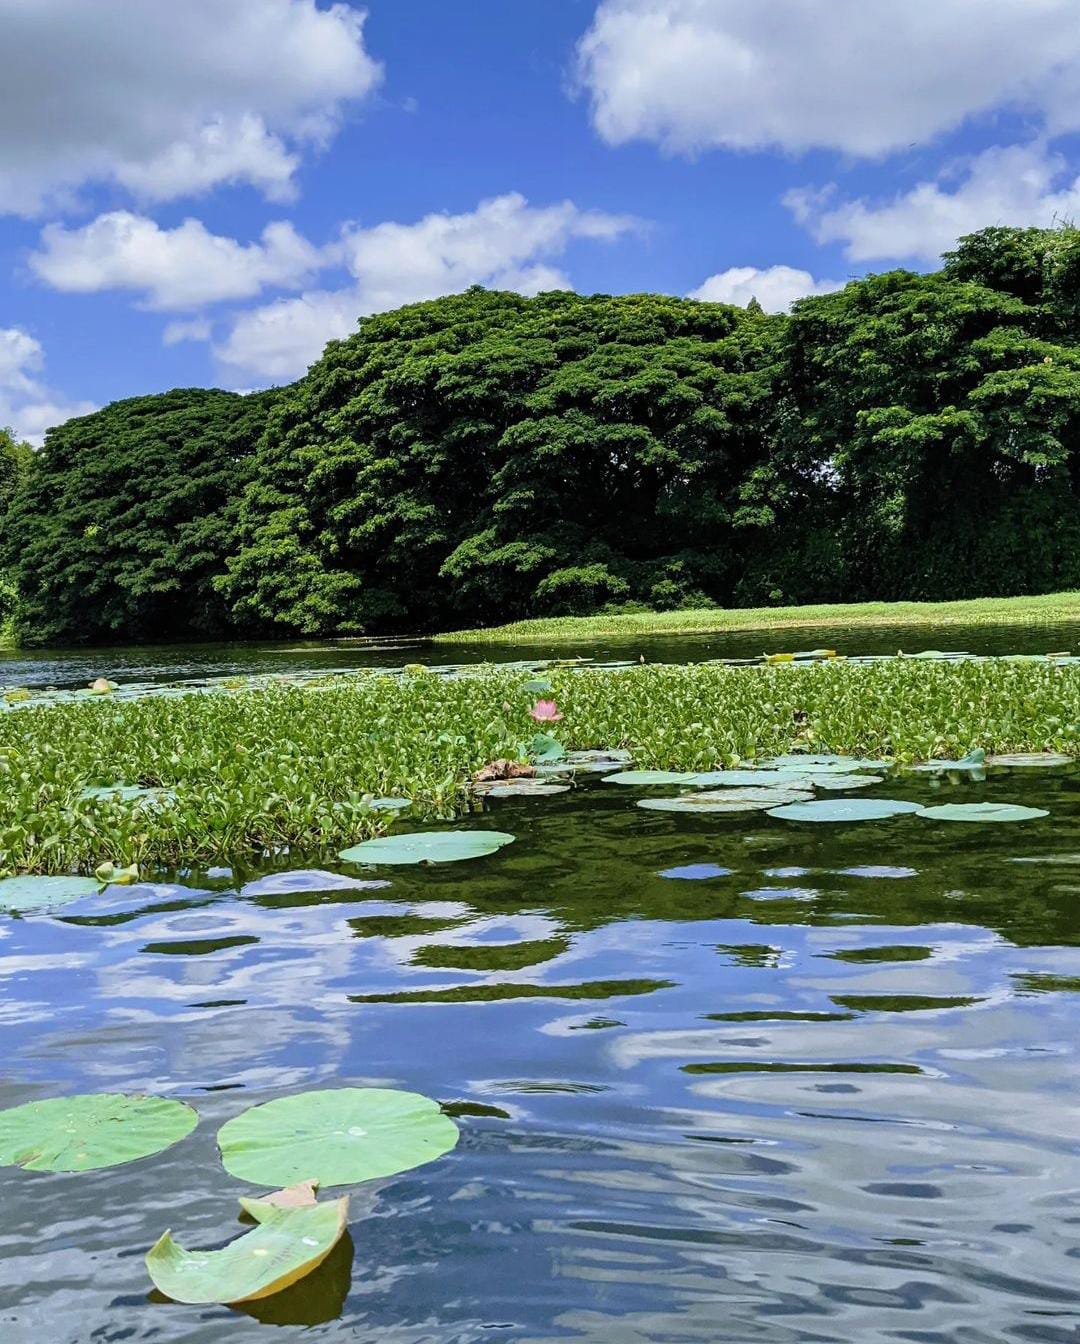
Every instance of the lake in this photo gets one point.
(720, 1079)
(68, 668)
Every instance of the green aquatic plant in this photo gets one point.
(21, 895)
(92, 1130)
(845, 810)
(427, 847)
(338, 1136)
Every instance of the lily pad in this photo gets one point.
(308, 879)
(755, 779)
(840, 783)
(984, 812)
(827, 764)
(390, 804)
(427, 847)
(974, 760)
(128, 793)
(21, 894)
(520, 788)
(845, 809)
(727, 800)
(92, 1130)
(287, 1244)
(338, 1136)
(653, 777)
(1026, 759)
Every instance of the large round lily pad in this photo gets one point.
(335, 1137)
(287, 1244)
(845, 809)
(825, 764)
(1030, 759)
(845, 782)
(427, 847)
(21, 894)
(984, 812)
(727, 800)
(97, 1129)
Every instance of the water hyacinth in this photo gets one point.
(296, 767)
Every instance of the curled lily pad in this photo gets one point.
(338, 1136)
(1026, 759)
(984, 812)
(845, 809)
(427, 847)
(726, 800)
(810, 763)
(22, 894)
(92, 1130)
(287, 1244)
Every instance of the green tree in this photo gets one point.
(125, 517)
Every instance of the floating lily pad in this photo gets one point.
(427, 847)
(755, 779)
(696, 872)
(21, 894)
(335, 1137)
(1026, 759)
(840, 783)
(650, 778)
(308, 879)
(389, 804)
(845, 809)
(287, 1244)
(599, 756)
(827, 764)
(985, 812)
(974, 760)
(98, 1129)
(128, 793)
(519, 788)
(727, 800)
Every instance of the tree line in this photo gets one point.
(487, 456)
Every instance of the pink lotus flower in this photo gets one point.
(545, 711)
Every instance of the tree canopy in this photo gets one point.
(487, 456)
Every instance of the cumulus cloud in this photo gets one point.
(775, 287)
(1015, 185)
(504, 243)
(178, 268)
(27, 406)
(167, 99)
(862, 76)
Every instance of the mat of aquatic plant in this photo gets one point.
(153, 775)
(716, 1077)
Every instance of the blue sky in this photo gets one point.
(204, 193)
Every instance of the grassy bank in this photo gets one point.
(1047, 609)
(254, 771)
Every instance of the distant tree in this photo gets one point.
(125, 517)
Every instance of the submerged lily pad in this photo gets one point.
(1025, 759)
(985, 812)
(845, 809)
(427, 847)
(287, 1244)
(20, 894)
(727, 800)
(92, 1130)
(338, 1136)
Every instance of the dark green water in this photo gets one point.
(827, 1095)
(76, 667)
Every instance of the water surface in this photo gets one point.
(815, 1084)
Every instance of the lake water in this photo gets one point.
(174, 662)
(827, 1095)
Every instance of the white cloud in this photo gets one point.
(166, 99)
(775, 287)
(196, 329)
(184, 267)
(1015, 185)
(501, 244)
(27, 405)
(862, 76)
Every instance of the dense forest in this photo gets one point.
(487, 456)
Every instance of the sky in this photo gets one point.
(203, 194)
